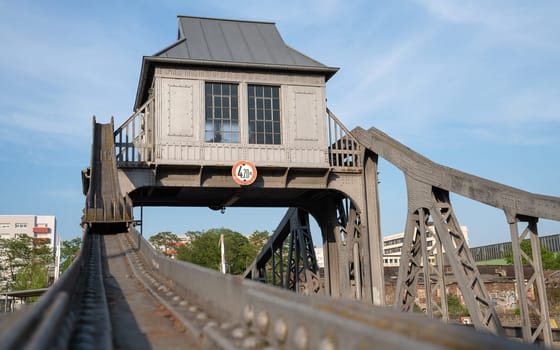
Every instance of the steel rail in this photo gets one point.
(229, 312)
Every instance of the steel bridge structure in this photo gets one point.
(319, 168)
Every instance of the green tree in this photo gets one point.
(549, 260)
(204, 250)
(454, 306)
(258, 239)
(16, 254)
(69, 250)
(162, 241)
(26, 263)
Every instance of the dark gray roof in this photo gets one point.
(210, 39)
(230, 43)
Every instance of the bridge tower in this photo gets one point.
(229, 115)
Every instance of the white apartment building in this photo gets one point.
(41, 227)
(392, 246)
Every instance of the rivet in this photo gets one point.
(300, 338)
(280, 330)
(238, 333)
(248, 314)
(326, 344)
(251, 342)
(263, 322)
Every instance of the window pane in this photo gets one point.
(221, 113)
(264, 112)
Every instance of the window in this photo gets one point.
(222, 121)
(21, 225)
(264, 114)
(5, 225)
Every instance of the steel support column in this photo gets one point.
(535, 281)
(375, 244)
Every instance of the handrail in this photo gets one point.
(289, 320)
(36, 325)
(344, 150)
(134, 138)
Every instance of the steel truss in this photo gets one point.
(349, 236)
(298, 270)
(537, 309)
(427, 202)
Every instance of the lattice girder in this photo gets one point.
(424, 201)
(535, 281)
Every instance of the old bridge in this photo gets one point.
(229, 115)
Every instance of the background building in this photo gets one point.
(40, 227)
(392, 247)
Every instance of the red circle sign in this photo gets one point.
(244, 172)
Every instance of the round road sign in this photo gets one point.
(244, 172)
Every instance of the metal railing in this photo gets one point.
(344, 151)
(134, 138)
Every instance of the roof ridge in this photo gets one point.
(227, 19)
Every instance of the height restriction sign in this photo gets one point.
(244, 172)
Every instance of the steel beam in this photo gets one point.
(534, 282)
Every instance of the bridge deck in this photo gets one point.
(138, 320)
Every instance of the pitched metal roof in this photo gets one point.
(230, 43)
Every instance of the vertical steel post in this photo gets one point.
(535, 281)
(373, 225)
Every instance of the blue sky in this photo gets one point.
(471, 85)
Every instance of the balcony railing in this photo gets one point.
(134, 138)
(343, 149)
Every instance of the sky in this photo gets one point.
(471, 85)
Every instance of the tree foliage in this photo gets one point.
(163, 241)
(550, 260)
(69, 250)
(258, 239)
(25, 263)
(204, 249)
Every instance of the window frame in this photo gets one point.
(264, 114)
(233, 130)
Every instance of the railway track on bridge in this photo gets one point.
(121, 294)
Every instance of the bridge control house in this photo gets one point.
(229, 90)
